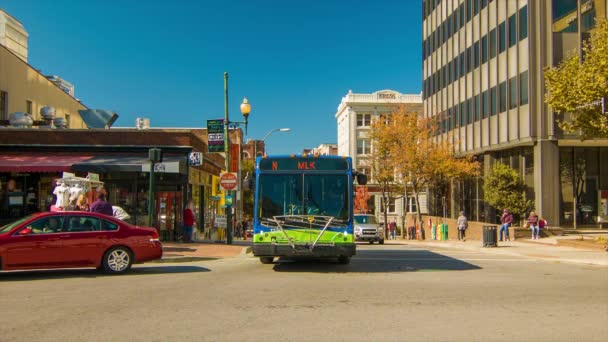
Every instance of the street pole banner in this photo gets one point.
(195, 159)
(215, 135)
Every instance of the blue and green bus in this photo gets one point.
(304, 207)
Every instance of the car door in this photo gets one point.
(35, 245)
(85, 241)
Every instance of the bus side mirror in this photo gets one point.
(361, 179)
(248, 182)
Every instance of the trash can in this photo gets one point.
(490, 237)
(444, 231)
(434, 232)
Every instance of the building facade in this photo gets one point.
(354, 116)
(483, 65)
(323, 150)
(13, 35)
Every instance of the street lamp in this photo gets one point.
(255, 153)
(228, 195)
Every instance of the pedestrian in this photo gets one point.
(532, 222)
(506, 220)
(101, 205)
(462, 224)
(393, 230)
(188, 222)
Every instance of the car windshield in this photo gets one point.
(7, 228)
(297, 194)
(366, 219)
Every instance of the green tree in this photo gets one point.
(576, 87)
(504, 189)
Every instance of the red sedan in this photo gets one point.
(76, 239)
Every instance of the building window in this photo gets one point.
(502, 38)
(3, 105)
(391, 205)
(461, 12)
(469, 9)
(493, 101)
(476, 54)
(485, 104)
(363, 146)
(484, 49)
(463, 113)
(469, 111)
(477, 107)
(523, 88)
(502, 89)
(462, 64)
(475, 7)
(492, 36)
(513, 92)
(28, 107)
(512, 30)
(364, 120)
(523, 22)
(469, 59)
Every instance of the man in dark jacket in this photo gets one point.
(101, 205)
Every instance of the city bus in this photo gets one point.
(303, 207)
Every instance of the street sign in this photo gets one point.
(229, 181)
(220, 221)
(215, 135)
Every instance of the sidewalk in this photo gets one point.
(202, 250)
(540, 250)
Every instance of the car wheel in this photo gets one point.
(117, 260)
(343, 260)
(266, 260)
(382, 242)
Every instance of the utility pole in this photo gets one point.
(227, 194)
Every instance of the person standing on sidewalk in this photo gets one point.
(101, 205)
(188, 222)
(533, 223)
(506, 220)
(394, 229)
(462, 224)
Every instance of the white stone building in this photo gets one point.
(354, 117)
(13, 35)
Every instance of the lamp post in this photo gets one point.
(255, 148)
(245, 109)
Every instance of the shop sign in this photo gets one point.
(195, 159)
(215, 135)
(220, 221)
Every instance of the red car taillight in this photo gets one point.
(154, 236)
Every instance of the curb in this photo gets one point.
(182, 259)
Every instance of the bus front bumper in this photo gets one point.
(277, 250)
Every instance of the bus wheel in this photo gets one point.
(371, 242)
(266, 260)
(343, 260)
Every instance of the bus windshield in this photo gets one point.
(303, 194)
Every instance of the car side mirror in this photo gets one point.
(25, 231)
(248, 182)
(361, 179)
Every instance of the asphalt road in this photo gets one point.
(387, 293)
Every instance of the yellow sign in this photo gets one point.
(311, 219)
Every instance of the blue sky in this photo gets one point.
(165, 60)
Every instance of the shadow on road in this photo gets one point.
(92, 273)
(380, 261)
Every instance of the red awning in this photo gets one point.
(39, 163)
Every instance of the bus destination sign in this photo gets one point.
(304, 164)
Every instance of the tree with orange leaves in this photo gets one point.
(416, 155)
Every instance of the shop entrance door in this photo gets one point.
(169, 215)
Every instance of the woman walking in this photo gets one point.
(188, 222)
(462, 224)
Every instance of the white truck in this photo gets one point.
(368, 229)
